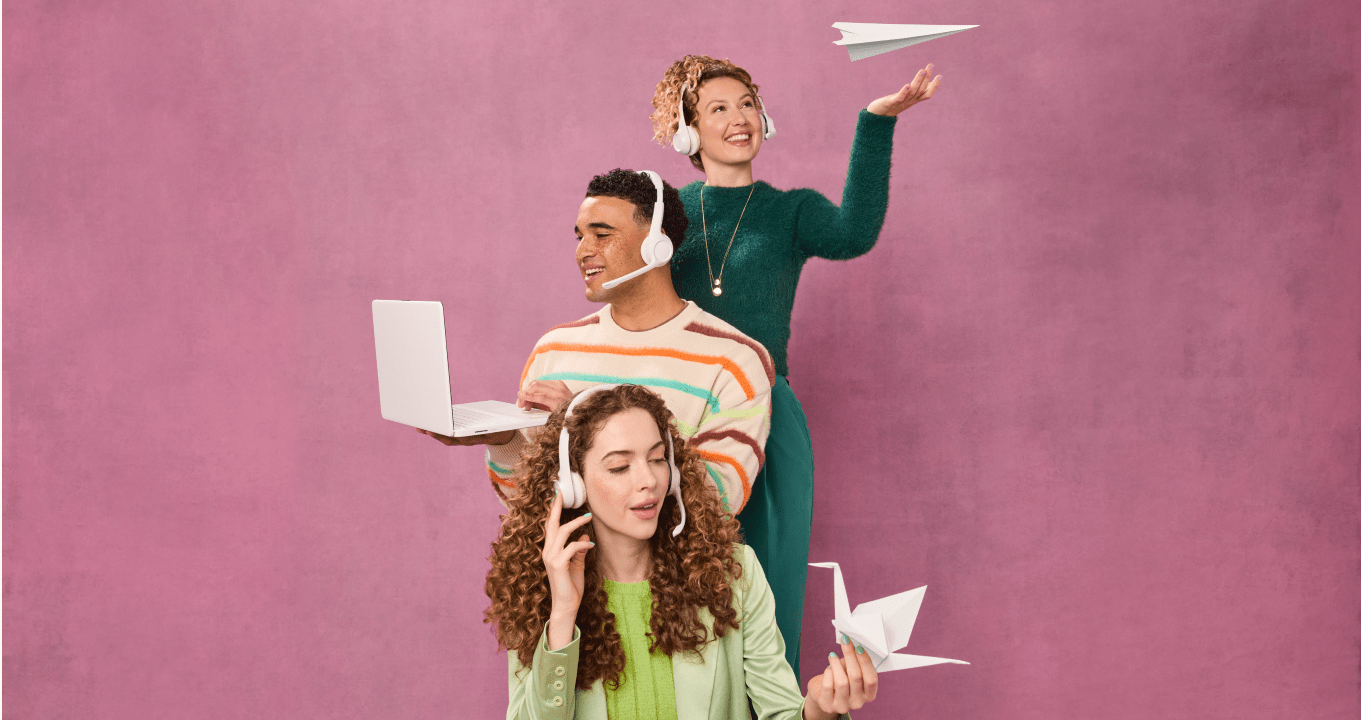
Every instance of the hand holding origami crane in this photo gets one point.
(869, 39)
(882, 626)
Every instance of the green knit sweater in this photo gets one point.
(778, 233)
(647, 689)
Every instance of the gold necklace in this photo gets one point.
(717, 282)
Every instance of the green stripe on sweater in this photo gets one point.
(700, 393)
(718, 482)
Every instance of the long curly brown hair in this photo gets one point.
(691, 571)
(692, 70)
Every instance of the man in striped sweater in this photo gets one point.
(714, 379)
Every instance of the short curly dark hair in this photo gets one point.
(638, 189)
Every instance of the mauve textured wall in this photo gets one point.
(1098, 385)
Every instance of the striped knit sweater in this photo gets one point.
(714, 379)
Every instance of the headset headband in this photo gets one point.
(658, 208)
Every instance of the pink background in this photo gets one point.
(1098, 385)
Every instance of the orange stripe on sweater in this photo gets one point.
(497, 479)
(741, 473)
(727, 364)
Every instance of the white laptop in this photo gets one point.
(413, 376)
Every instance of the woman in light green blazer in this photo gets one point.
(658, 612)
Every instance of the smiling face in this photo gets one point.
(627, 474)
(729, 123)
(609, 243)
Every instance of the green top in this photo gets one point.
(779, 232)
(646, 689)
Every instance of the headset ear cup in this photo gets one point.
(663, 250)
(686, 141)
(768, 126)
(675, 488)
(578, 490)
(656, 250)
(573, 490)
(680, 142)
(647, 249)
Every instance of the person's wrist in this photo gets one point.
(560, 632)
(811, 711)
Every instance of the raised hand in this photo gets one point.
(921, 88)
(566, 566)
(849, 683)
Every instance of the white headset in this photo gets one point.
(573, 487)
(657, 248)
(686, 139)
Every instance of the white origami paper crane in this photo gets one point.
(882, 626)
(869, 39)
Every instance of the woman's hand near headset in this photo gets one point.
(921, 88)
(566, 566)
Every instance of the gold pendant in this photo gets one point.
(717, 291)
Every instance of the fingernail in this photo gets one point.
(844, 639)
(587, 515)
(556, 492)
(859, 650)
(831, 656)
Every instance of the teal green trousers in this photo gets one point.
(778, 519)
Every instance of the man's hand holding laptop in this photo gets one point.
(500, 438)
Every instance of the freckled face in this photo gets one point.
(626, 474)
(729, 124)
(609, 244)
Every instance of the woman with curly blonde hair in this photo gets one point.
(745, 249)
(662, 614)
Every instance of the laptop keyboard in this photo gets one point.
(468, 416)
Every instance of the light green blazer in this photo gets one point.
(711, 686)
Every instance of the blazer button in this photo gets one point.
(557, 701)
(557, 684)
(559, 671)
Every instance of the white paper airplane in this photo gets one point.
(868, 39)
(882, 626)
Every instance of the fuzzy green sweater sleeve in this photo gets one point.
(757, 238)
(647, 688)
(840, 233)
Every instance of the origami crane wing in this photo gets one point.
(869, 39)
(881, 626)
(899, 613)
